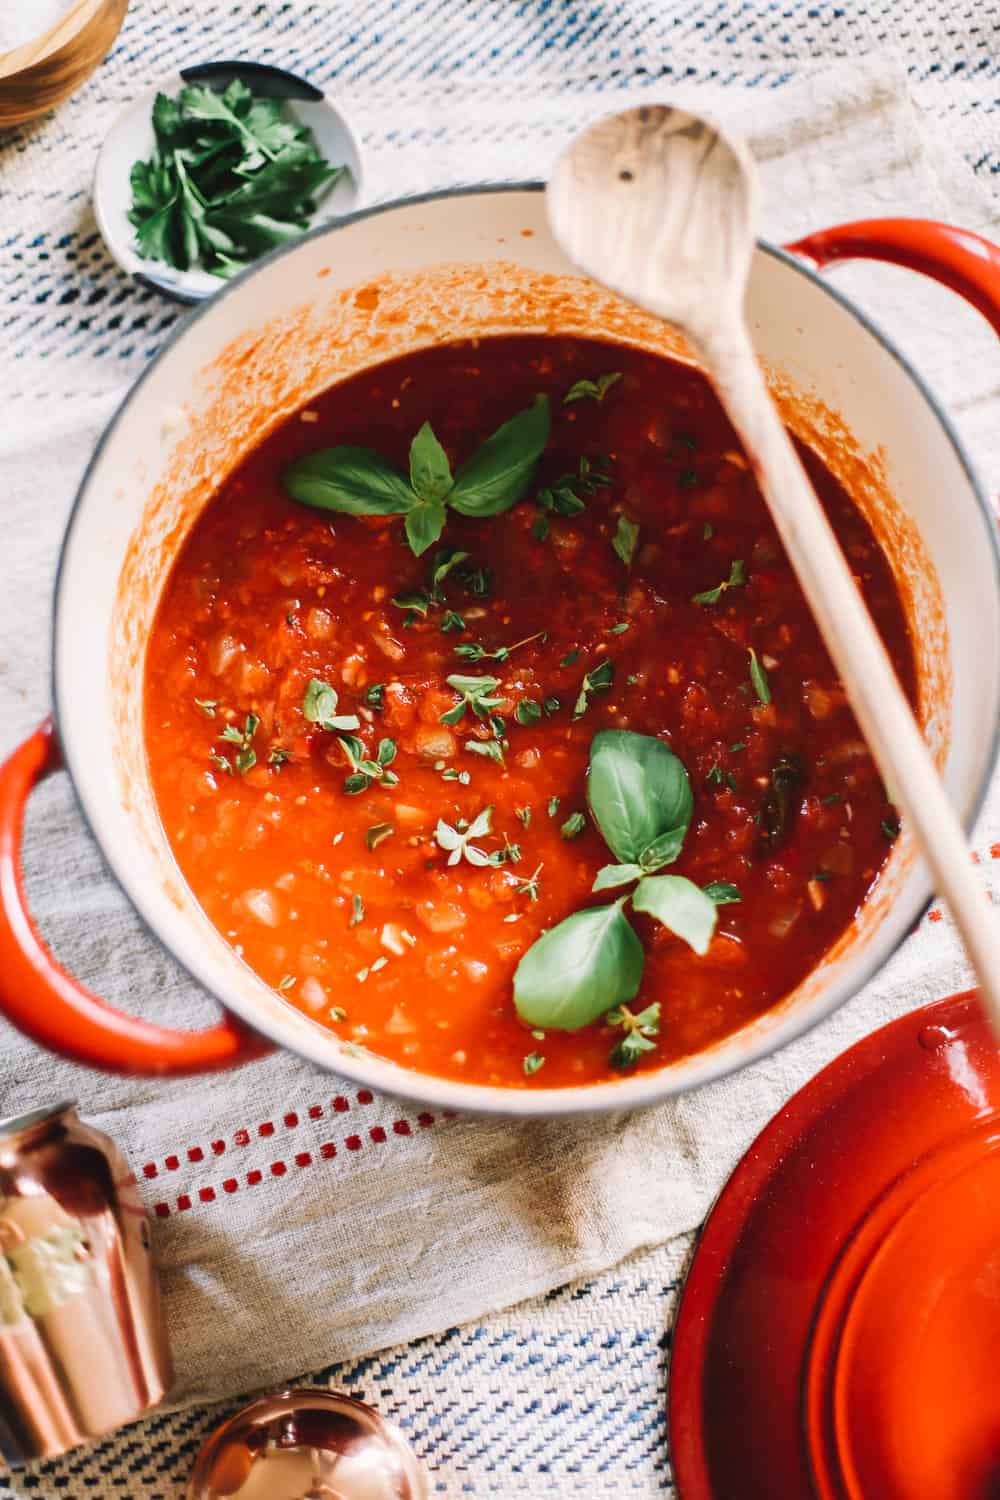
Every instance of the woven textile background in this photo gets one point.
(563, 1395)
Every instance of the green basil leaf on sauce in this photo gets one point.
(356, 481)
(639, 794)
(680, 905)
(579, 969)
(611, 875)
(430, 471)
(624, 540)
(499, 472)
(722, 892)
(663, 851)
(424, 524)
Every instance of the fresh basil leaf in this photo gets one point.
(722, 892)
(579, 969)
(680, 905)
(499, 472)
(430, 471)
(424, 524)
(639, 792)
(624, 540)
(662, 851)
(612, 875)
(758, 677)
(357, 481)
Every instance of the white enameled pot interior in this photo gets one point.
(435, 270)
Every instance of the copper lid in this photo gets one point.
(306, 1445)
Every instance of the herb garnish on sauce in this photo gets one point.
(361, 482)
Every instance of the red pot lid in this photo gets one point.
(839, 1331)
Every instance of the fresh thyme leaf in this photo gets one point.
(452, 621)
(737, 578)
(357, 910)
(620, 629)
(707, 531)
(207, 706)
(364, 771)
(758, 677)
(890, 829)
(574, 824)
(375, 695)
(778, 806)
(524, 816)
(378, 833)
(625, 539)
(278, 756)
(553, 806)
(596, 390)
(478, 581)
(222, 763)
(568, 495)
(527, 712)
(687, 478)
(550, 705)
(569, 658)
(246, 756)
(286, 981)
(533, 1062)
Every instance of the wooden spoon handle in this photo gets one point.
(854, 644)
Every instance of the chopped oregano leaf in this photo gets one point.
(474, 693)
(491, 749)
(722, 892)
(319, 706)
(533, 1062)
(638, 1029)
(207, 706)
(624, 541)
(737, 579)
(246, 756)
(687, 478)
(417, 600)
(550, 705)
(286, 981)
(523, 816)
(452, 621)
(378, 833)
(598, 680)
(357, 910)
(529, 887)
(278, 756)
(457, 842)
(596, 390)
(891, 829)
(758, 677)
(569, 658)
(445, 559)
(574, 824)
(527, 712)
(707, 531)
(375, 696)
(620, 629)
(553, 806)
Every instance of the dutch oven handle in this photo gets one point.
(957, 258)
(46, 1003)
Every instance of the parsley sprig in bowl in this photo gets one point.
(214, 167)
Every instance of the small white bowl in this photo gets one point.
(131, 139)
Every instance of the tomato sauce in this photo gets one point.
(390, 946)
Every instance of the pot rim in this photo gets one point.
(648, 1088)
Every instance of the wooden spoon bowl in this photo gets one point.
(53, 65)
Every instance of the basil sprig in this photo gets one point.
(640, 798)
(361, 482)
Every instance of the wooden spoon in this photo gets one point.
(659, 205)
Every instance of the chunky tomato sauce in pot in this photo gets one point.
(480, 628)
